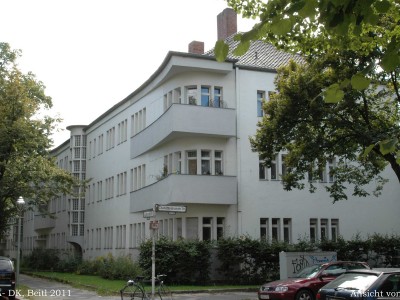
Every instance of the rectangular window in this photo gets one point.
(331, 166)
(264, 229)
(178, 162)
(205, 96)
(220, 227)
(218, 163)
(283, 165)
(275, 230)
(192, 162)
(262, 171)
(205, 162)
(191, 94)
(334, 229)
(217, 102)
(260, 99)
(313, 230)
(77, 140)
(207, 229)
(287, 230)
(324, 227)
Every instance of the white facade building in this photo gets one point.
(182, 138)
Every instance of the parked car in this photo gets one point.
(307, 282)
(7, 278)
(363, 284)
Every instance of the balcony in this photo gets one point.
(186, 189)
(180, 120)
(43, 222)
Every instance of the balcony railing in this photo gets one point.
(186, 189)
(182, 119)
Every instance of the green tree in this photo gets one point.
(26, 168)
(343, 101)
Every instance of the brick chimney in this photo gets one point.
(226, 23)
(196, 47)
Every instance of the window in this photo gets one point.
(192, 162)
(334, 229)
(218, 163)
(191, 94)
(287, 230)
(331, 167)
(260, 99)
(283, 165)
(262, 171)
(264, 229)
(324, 229)
(205, 162)
(220, 227)
(77, 140)
(178, 162)
(265, 173)
(74, 230)
(275, 230)
(207, 229)
(217, 102)
(313, 230)
(205, 96)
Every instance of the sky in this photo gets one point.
(91, 54)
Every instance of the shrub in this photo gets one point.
(184, 261)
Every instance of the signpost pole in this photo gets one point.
(153, 257)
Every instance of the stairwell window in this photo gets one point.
(260, 99)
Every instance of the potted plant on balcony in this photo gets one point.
(192, 100)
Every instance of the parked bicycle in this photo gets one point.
(135, 290)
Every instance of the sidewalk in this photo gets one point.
(44, 289)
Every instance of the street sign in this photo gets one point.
(171, 208)
(154, 225)
(149, 214)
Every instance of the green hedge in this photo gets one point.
(184, 261)
(240, 260)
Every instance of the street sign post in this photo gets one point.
(154, 225)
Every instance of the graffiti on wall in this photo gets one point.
(294, 262)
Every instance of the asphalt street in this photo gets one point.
(42, 289)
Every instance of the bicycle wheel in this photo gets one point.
(131, 292)
(164, 292)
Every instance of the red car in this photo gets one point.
(307, 282)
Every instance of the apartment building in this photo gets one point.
(182, 139)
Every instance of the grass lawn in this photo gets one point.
(109, 287)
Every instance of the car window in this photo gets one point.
(391, 284)
(352, 281)
(308, 272)
(335, 270)
(5, 265)
(353, 266)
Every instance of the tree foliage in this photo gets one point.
(26, 169)
(344, 101)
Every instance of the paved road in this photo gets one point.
(42, 289)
